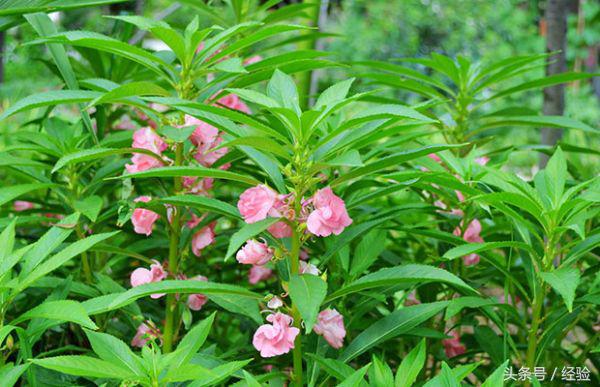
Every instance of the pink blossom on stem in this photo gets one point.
(276, 338)
(21, 205)
(275, 303)
(258, 273)
(145, 332)
(330, 325)
(329, 216)
(308, 268)
(256, 202)
(202, 238)
(197, 301)
(141, 276)
(471, 235)
(142, 218)
(453, 347)
(483, 160)
(280, 230)
(254, 253)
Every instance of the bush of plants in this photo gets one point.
(192, 216)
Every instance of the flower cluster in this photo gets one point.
(323, 214)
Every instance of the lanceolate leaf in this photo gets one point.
(191, 171)
(98, 153)
(564, 281)
(203, 204)
(407, 274)
(411, 366)
(115, 351)
(62, 310)
(84, 366)
(110, 302)
(248, 232)
(471, 248)
(307, 292)
(393, 325)
(9, 193)
(49, 98)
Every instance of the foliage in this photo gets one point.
(195, 202)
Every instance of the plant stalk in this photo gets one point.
(175, 234)
(294, 270)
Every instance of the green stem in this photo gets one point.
(169, 332)
(85, 262)
(297, 354)
(538, 302)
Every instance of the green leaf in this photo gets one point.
(470, 248)
(133, 89)
(10, 374)
(7, 240)
(260, 143)
(114, 301)
(411, 366)
(458, 304)
(334, 94)
(203, 204)
(115, 351)
(98, 153)
(240, 305)
(251, 380)
(490, 342)
(190, 171)
(84, 366)
(496, 379)
(406, 274)
(247, 232)
(254, 97)
(556, 176)
(282, 89)
(539, 121)
(217, 374)
(61, 310)
(49, 242)
(380, 374)
(543, 83)
(350, 158)
(390, 161)
(356, 379)
(49, 98)
(564, 281)
(89, 207)
(177, 134)
(14, 191)
(231, 65)
(367, 251)
(192, 341)
(396, 323)
(59, 259)
(307, 292)
(334, 367)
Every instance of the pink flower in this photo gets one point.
(330, 325)
(197, 301)
(142, 276)
(197, 186)
(21, 205)
(453, 347)
(202, 238)
(256, 202)
(329, 216)
(471, 235)
(411, 299)
(280, 230)
(276, 338)
(194, 221)
(207, 154)
(253, 59)
(146, 138)
(143, 219)
(254, 253)
(435, 157)
(258, 273)
(234, 102)
(308, 268)
(142, 162)
(145, 332)
(483, 160)
(204, 134)
(275, 303)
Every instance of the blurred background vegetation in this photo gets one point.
(481, 30)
